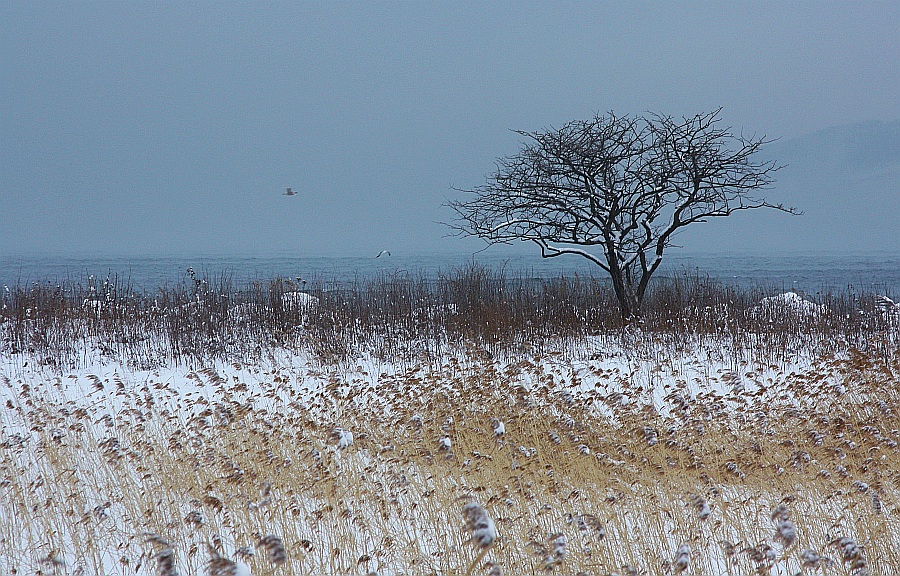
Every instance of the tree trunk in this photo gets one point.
(629, 306)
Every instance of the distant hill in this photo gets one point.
(852, 150)
(846, 180)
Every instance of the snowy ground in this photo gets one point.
(651, 376)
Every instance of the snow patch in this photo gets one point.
(299, 301)
(789, 303)
(343, 438)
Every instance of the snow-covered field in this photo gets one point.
(600, 460)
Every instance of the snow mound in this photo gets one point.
(885, 304)
(788, 303)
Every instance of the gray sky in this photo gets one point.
(174, 127)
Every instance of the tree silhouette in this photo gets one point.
(616, 189)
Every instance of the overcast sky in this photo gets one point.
(174, 127)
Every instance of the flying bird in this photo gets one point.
(383, 253)
(289, 192)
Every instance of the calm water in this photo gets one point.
(806, 272)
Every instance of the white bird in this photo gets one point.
(383, 253)
(289, 192)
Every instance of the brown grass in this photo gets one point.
(579, 483)
(403, 316)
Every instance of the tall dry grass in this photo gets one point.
(576, 472)
(403, 316)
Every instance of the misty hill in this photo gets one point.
(851, 151)
(845, 179)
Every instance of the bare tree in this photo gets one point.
(616, 189)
